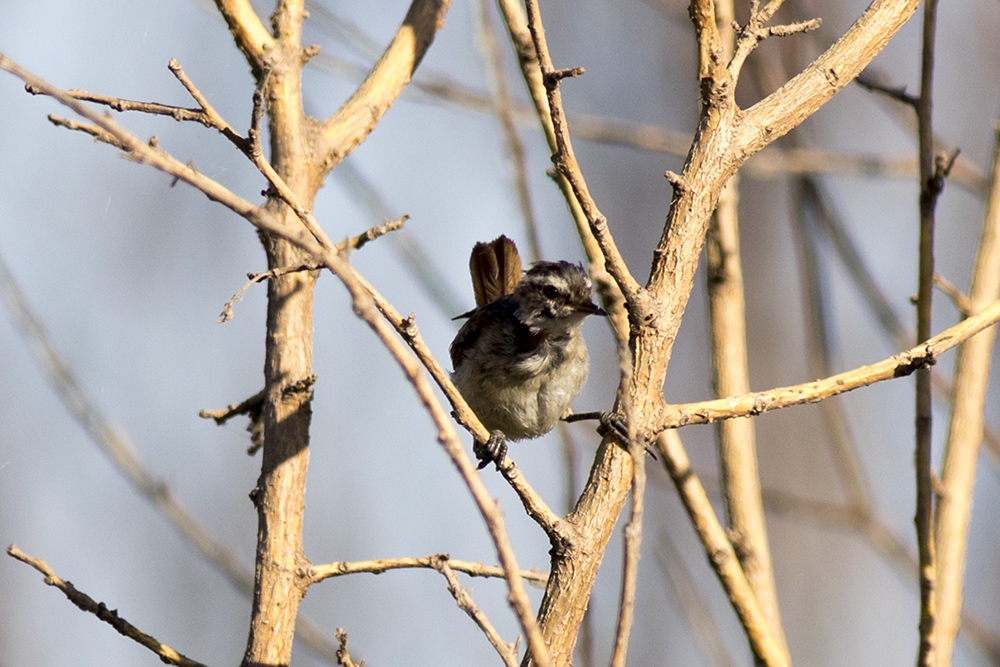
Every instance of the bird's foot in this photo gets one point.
(609, 422)
(493, 450)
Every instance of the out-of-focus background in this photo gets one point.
(129, 274)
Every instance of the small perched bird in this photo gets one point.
(520, 359)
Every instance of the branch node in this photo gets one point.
(409, 327)
(897, 93)
(343, 657)
(553, 77)
(309, 53)
(677, 182)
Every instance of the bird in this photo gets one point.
(520, 358)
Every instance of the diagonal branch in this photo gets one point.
(468, 605)
(350, 125)
(251, 36)
(531, 72)
(565, 161)
(788, 106)
(900, 365)
(101, 611)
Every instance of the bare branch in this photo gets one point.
(364, 307)
(736, 438)
(897, 93)
(900, 365)
(554, 526)
(952, 292)
(779, 112)
(466, 604)
(932, 174)
(755, 31)
(350, 125)
(109, 616)
(179, 114)
(208, 115)
(565, 160)
(97, 133)
(719, 550)
(632, 534)
(965, 430)
(504, 106)
(531, 72)
(318, 573)
(251, 36)
(347, 245)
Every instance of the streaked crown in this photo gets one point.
(555, 294)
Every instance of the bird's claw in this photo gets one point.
(493, 450)
(615, 424)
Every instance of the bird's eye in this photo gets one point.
(550, 291)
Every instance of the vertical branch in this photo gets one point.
(632, 549)
(736, 440)
(930, 188)
(965, 431)
(739, 475)
(279, 495)
(302, 151)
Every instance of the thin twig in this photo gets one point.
(524, 47)
(179, 114)
(100, 610)
(566, 164)
(900, 365)
(956, 295)
(97, 133)
(352, 243)
(249, 406)
(897, 93)
(632, 534)
(755, 31)
(931, 184)
(318, 573)
(466, 604)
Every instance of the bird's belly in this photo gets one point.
(525, 407)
